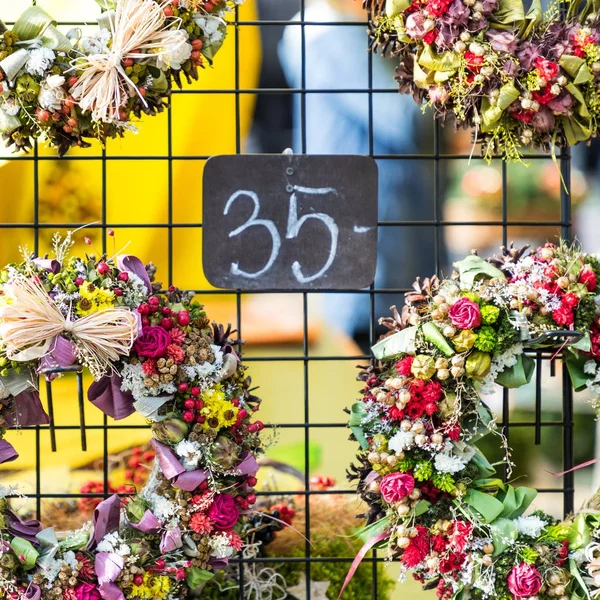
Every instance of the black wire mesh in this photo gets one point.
(438, 158)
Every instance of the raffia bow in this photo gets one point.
(104, 87)
(31, 322)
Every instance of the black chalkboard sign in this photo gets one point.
(290, 221)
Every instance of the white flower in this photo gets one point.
(531, 526)
(403, 440)
(220, 546)
(11, 107)
(448, 464)
(113, 544)
(589, 368)
(97, 43)
(163, 509)
(176, 53)
(190, 453)
(40, 60)
(211, 27)
(52, 95)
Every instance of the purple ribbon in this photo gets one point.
(248, 466)
(47, 264)
(111, 591)
(171, 540)
(106, 519)
(148, 523)
(33, 592)
(26, 410)
(7, 452)
(106, 394)
(132, 264)
(169, 463)
(63, 353)
(108, 566)
(189, 480)
(218, 564)
(27, 530)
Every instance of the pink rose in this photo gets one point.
(465, 314)
(396, 486)
(87, 591)
(524, 580)
(224, 512)
(152, 343)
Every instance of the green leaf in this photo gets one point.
(532, 18)
(575, 363)
(473, 267)
(519, 374)
(433, 334)
(74, 540)
(356, 416)
(421, 508)
(402, 342)
(447, 61)
(481, 424)
(515, 501)
(373, 529)
(107, 4)
(584, 344)
(509, 12)
(486, 505)
(25, 551)
(196, 577)
(504, 534)
(574, 569)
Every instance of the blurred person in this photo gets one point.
(336, 57)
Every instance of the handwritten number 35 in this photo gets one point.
(294, 224)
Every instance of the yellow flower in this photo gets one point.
(153, 586)
(94, 299)
(219, 411)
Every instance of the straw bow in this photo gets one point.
(104, 87)
(30, 323)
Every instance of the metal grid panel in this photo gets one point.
(437, 157)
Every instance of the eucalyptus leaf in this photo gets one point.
(533, 17)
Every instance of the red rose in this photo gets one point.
(396, 486)
(563, 316)
(465, 314)
(152, 343)
(588, 277)
(547, 69)
(524, 580)
(404, 366)
(570, 300)
(224, 512)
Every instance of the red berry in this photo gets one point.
(148, 455)
(65, 110)
(67, 129)
(103, 268)
(145, 322)
(118, 292)
(242, 413)
(72, 122)
(195, 54)
(251, 499)
(128, 473)
(168, 11)
(208, 6)
(143, 309)
(43, 115)
(138, 580)
(195, 391)
(70, 102)
(252, 428)
(189, 403)
(123, 276)
(79, 281)
(160, 563)
(166, 311)
(251, 481)
(134, 462)
(260, 425)
(56, 116)
(142, 91)
(166, 323)
(128, 62)
(183, 387)
(239, 500)
(235, 401)
(153, 301)
(183, 318)
(197, 44)
(198, 404)
(200, 419)
(137, 479)
(72, 81)
(180, 574)
(188, 416)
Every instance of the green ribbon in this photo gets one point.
(532, 19)
(357, 414)
(433, 335)
(510, 13)
(492, 114)
(393, 7)
(576, 67)
(447, 61)
(25, 551)
(36, 27)
(473, 267)
(196, 577)
(374, 529)
(402, 342)
(519, 374)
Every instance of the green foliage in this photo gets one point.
(528, 555)
(486, 339)
(444, 482)
(423, 471)
(489, 314)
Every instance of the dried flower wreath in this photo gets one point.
(153, 353)
(65, 88)
(434, 499)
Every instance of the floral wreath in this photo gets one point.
(434, 500)
(517, 78)
(153, 353)
(66, 88)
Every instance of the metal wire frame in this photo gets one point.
(564, 224)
